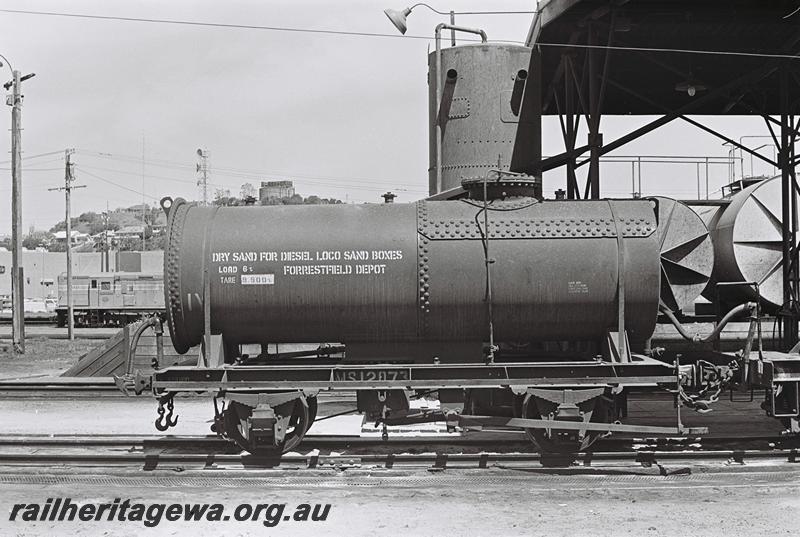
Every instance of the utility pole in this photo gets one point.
(67, 188)
(202, 171)
(17, 280)
(106, 244)
(144, 225)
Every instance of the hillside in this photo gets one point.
(93, 223)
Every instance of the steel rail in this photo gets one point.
(151, 461)
(48, 386)
(488, 439)
(505, 439)
(46, 382)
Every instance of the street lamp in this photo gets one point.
(399, 17)
(17, 281)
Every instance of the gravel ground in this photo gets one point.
(43, 356)
(450, 504)
(495, 503)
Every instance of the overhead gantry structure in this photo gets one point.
(676, 60)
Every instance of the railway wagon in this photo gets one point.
(509, 309)
(110, 298)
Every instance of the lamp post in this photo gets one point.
(398, 18)
(17, 281)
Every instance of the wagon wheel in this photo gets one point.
(312, 411)
(563, 441)
(237, 427)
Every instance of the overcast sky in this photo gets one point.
(342, 116)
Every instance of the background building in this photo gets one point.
(41, 269)
(275, 190)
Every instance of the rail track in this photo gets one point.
(5, 319)
(33, 387)
(662, 456)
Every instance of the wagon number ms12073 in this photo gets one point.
(366, 375)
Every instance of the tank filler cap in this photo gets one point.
(503, 184)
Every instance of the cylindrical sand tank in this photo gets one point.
(411, 272)
(483, 125)
(748, 243)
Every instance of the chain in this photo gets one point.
(714, 379)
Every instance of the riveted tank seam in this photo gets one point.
(423, 276)
(172, 272)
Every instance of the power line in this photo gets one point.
(220, 25)
(152, 162)
(138, 174)
(246, 174)
(334, 183)
(673, 50)
(104, 197)
(34, 169)
(36, 156)
(118, 185)
(396, 36)
(349, 181)
(486, 12)
(43, 162)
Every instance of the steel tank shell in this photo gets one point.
(410, 272)
(482, 89)
(747, 242)
(687, 253)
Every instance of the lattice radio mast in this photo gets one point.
(202, 174)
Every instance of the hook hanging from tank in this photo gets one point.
(165, 418)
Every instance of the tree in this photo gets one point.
(248, 191)
(223, 198)
(297, 199)
(62, 225)
(221, 193)
(89, 217)
(153, 215)
(57, 246)
(100, 225)
(37, 239)
(129, 244)
(157, 242)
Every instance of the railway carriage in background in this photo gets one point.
(110, 298)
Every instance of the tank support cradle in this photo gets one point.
(264, 421)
